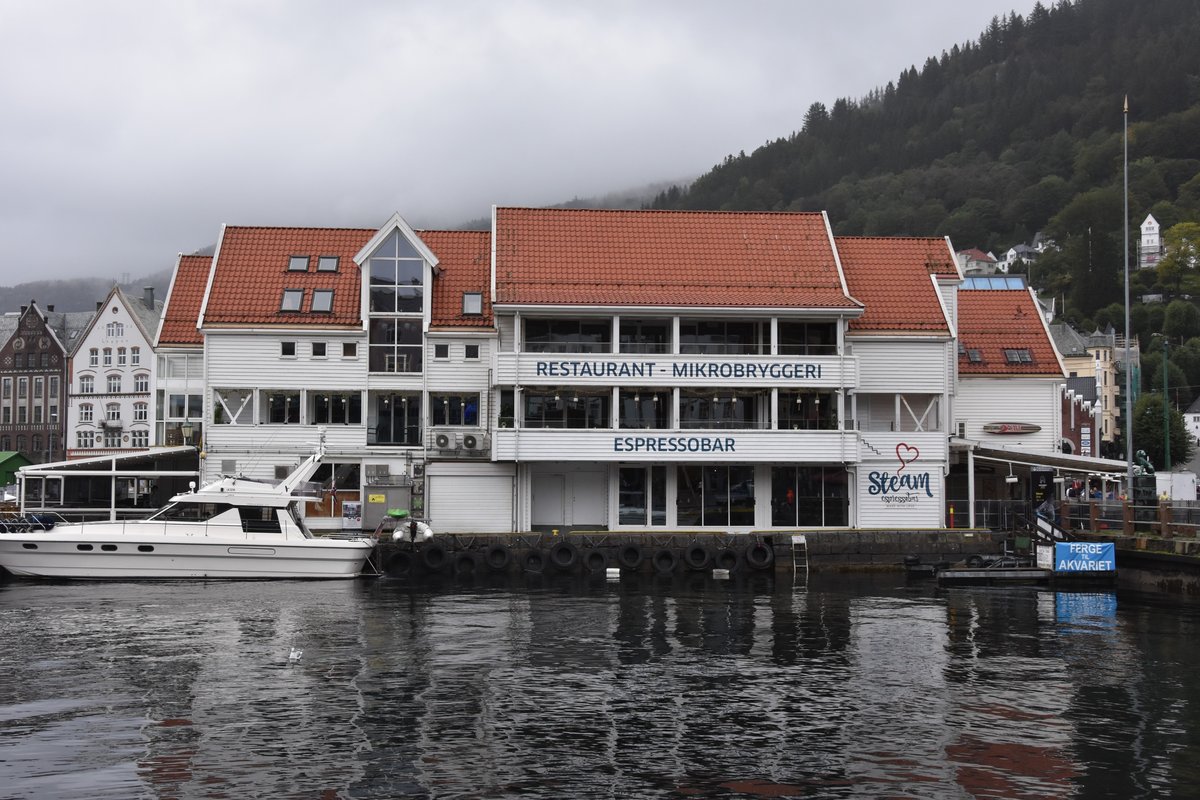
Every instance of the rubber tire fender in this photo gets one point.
(497, 557)
(697, 555)
(534, 561)
(630, 556)
(434, 556)
(664, 561)
(563, 555)
(595, 560)
(466, 563)
(727, 558)
(759, 555)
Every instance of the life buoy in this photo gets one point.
(399, 565)
(595, 560)
(664, 561)
(630, 556)
(563, 555)
(497, 557)
(759, 555)
(434, 556)
(696, 555)
(466, 563)
(535, 561)
(727, 558)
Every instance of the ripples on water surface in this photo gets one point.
(697, 688)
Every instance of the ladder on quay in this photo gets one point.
(799, 553)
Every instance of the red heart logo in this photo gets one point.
(906, 454)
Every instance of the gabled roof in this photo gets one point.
(250, 272)
(993, 321)
(182, 310)
(465, 263)
(1069, 342)
(892, 275)
(975, 254)
(145, 318)
(667, 259)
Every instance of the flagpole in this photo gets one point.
(1128, 365)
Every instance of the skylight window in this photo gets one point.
(472, 303)
(327, 264)
(298, 264)
(322, 300)
(292, 298)
(974, 356)
(1018, 356)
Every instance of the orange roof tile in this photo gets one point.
(891, 276)
(666, 258)
(252, 271)
(994, 320)
(465, 265)
(183, 304)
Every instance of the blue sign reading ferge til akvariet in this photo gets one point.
(1085, 557)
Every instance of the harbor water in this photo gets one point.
(633, 688)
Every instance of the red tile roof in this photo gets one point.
(994, 320)
(252, 271)
(666, 258)
(975, 254)
(183, 304)
(891, 275)
(465, 265)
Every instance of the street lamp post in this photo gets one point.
(1128, 366)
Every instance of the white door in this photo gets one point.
(548, 504)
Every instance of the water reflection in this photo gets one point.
(636, 688)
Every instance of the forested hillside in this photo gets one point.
(997, 139)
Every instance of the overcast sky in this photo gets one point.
(130, 131)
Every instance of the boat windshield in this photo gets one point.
(296, 518)
(191, 512)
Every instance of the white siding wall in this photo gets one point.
(901, 366)
(1030, 400)
(253, 360)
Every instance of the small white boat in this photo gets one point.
(231, 528)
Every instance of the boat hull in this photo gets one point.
(96, 557)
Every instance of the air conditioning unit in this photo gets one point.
(474, 441)
(445, 440)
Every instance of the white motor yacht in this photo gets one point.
(231, 528)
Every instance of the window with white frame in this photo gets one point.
(53, 387)
(318, 349)
(281, 407)
(135, 356)
(85, 438)
(85, 412)
(112, 412)
(87, 384)
(114, 329)
(112, 438)
(121, 356)
(6, 392)
(108, 356)
(22, 388)
(94, 357)
(114, 384)
(141, 412)
(141, 382)
(139, 438)
(39, 388)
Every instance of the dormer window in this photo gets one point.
(322, 300)
(292, 298)
(298, 264)
(472, 303)
(327, 264)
